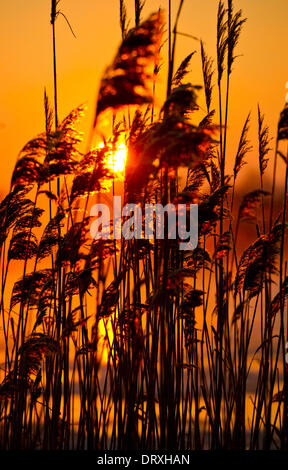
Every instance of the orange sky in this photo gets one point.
(26, 61)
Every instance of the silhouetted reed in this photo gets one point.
(117, 344)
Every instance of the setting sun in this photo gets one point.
(116, 160)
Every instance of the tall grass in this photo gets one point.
(115, 344)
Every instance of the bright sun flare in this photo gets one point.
(116, 160)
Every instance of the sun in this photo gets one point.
(116, 160)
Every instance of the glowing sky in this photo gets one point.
(26, 61)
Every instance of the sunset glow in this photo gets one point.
(116, 160)
(143, 230)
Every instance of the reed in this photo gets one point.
(117, 344)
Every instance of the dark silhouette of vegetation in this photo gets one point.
(110, 344)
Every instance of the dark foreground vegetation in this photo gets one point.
(107, 344)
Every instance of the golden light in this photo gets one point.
(117, 159)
